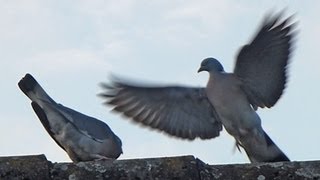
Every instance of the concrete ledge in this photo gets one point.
(262, 171)
(183, 167)
(24, 167)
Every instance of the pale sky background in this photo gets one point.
(72, 46)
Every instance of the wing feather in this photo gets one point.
(262, 64)
(183, 112)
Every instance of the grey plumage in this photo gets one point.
(84, 138)
(228, 100)
(170, 109)
(262, 64)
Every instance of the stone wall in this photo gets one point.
(183, 167)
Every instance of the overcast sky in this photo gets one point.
(72, 46)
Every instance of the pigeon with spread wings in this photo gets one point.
(229, 99)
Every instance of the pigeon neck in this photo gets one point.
(215, 74)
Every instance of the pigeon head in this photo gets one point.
(211, 65)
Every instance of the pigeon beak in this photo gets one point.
(201, 69)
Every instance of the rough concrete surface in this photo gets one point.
(183, 167)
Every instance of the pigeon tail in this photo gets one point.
(31, 88)
(281, 156)
(260, 148)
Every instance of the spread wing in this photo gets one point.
(262, 64)
(179, 111)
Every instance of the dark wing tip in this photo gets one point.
(27, 83)
(111, 89)
(278, 21)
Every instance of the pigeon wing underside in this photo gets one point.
(262, 64)
(179, 111)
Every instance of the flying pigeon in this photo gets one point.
(229, 100)
(84, 138)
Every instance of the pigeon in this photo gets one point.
(229, 100)
(84, 138)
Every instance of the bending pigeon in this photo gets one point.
(84, 138)
(228, 100)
